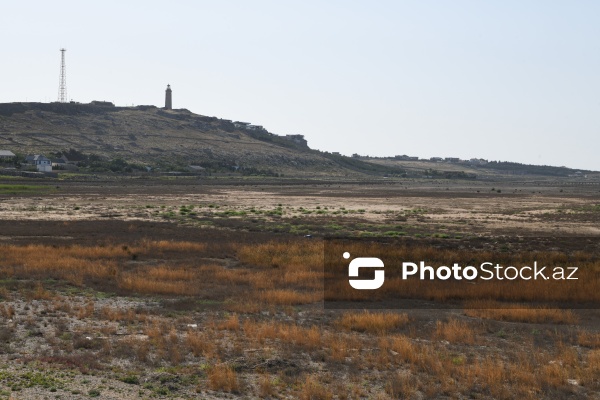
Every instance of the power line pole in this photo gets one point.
(62, 85)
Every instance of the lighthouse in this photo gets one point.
(168, 100)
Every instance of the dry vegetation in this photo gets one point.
(229, 310)
(582, 291)
(257, 342)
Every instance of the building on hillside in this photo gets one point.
(298, 139)
(452, 159)
(404, 157)
(64, 164)
(42, 163)
(102, 103)
(478, 161)
(240, 124)
(6, 155)
(168, 98)
(437, 159)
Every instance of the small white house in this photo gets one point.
(42, 163)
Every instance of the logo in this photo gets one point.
(365, 262)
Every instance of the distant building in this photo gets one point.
(404, 157)
(254, 127)
(195, 168)
(42, 163)
(477, 161)
(58, 162)
(436, 159)
(168, 98)
(298, 139)
(452, 159)
(102, 103)
(240, 124)
(6, 155)
(64, 164)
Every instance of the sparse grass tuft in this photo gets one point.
(519, 313)
(223, 378)
(375, 323)
(455, 331)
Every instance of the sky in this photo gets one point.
(508, 80)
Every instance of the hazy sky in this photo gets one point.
(503, 80)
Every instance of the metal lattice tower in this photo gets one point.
(62, 86)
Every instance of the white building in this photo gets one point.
(6, 155)
(42, 163)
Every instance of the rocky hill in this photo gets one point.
(158, 138)
(111, 138)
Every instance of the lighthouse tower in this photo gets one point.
(168, 100)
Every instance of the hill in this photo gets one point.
(166, 139)
(110, 138)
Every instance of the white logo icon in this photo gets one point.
(365, 262)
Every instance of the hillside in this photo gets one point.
(112, 137)
(149, 136)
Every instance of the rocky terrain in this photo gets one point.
(150, 136)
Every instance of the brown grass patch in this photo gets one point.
(222, 377)
(588, 339)
(312, 389)
(200, 344)
(289, 297)
(265, 386)
(519, 313)
(455, 331)
(309, 338)
(168, 245)
(232, 323)
(553, 290)
(378, 323)
(140, 284)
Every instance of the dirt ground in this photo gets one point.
(64, 339)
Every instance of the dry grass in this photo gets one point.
(168, 273)
(402, 385)
(232, 323)
(222, 377)
(372, 322)
(312, 389)
(265, 386)
(519, 313)
(289, 297)
(86, 310)
(388, 364)
(583, 290)
(588, 339)
(7, 310)
(290, 255)
(455, 331)
(122, 315)
(39, 293)
(200, 344)
(141, 284)
(309, 338)
(168, 245)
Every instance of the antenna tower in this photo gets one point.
(62, 86)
